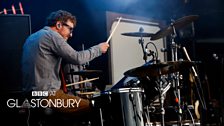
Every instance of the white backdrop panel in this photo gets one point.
(126, 52)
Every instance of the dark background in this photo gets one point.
(207, 42)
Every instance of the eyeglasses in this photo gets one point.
(69, 27)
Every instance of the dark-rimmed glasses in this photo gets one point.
(69, 27)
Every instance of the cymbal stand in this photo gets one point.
(173, 44)
(71, 76)
(141, 41)
(87, 63)
(176, 75)
(86, 85)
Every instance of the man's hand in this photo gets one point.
(104, 46)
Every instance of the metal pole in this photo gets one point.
(174, 47)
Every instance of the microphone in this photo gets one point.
(149, 52)
(164, 50)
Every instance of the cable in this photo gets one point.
(156, 54)
(28, 117)
(191, 116)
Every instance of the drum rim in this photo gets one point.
(125, 90)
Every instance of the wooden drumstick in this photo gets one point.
(113, 30)
(80, 82)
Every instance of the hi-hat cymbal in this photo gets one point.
(178, 24)
(162, 68)
(137, 34)
(86, 72)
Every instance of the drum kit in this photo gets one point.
(133, 105)
(86, 89)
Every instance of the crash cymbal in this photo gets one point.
(137, 34)
(162, 68)
(146, 70)
(162, 33)
(178, 24)
(185, 21)
(86, 72)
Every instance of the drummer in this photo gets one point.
(42, 55)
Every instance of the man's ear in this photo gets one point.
(58, 25)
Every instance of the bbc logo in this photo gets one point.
(39, 93)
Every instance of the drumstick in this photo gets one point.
(88, 80)
(113, 30)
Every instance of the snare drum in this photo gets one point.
(126, 106)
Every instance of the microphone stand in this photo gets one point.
(220, 59)
(85, 85)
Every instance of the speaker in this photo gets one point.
(14, 29)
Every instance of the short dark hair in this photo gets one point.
(60, 15)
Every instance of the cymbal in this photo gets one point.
(162, 68)
(178, 24)
(85, 72)
(137, 34)
(185, 21)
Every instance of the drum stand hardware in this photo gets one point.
(163, 85)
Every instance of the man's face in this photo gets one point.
(66, 30)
